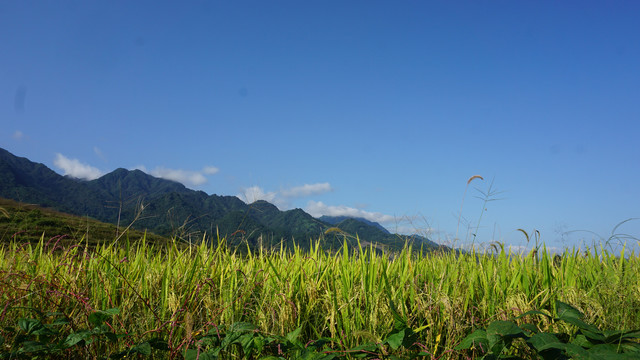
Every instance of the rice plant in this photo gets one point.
(174, 295)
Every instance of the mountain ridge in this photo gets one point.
(334, 220)
(171, 209)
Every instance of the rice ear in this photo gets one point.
(474, 177)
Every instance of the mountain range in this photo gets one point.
(168, 208)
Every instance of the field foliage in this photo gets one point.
(177, 296)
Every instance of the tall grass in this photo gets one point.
(177, 293)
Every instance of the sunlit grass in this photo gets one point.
(177, 293)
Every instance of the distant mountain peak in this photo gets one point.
(136, 182)
(171, 209)
(334, 220)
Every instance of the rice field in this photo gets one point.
(178, 293)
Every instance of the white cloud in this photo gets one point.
(255, 193)
(18, 135)
(318, 208)
(186, 177)
(210, 170)
(73, 167)
(182, 176)
(282, 198)
(306, 190)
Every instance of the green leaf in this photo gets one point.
(75, 338)
(241, 327)
(541, 342)
(616, 336)
(573, 316)
(364, 350)
(631, 334)
(504, 329)
(208, 341)
(60, 321)
(236, 330)
(541, 339)
(567, 310)
(318, 344)
(530, 328)
(582, 341)
(534, 312)
(97, 318)
(142, 348)
(596, 336)
(501, 333)
(476, 338)
(193, 354)
(630, 348)
(396, 339)
(258, 343)
(293, 336)
(29, 326)
(246, 341)
(572, 350)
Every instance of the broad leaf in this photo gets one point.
(30, 325)
(476, 338)
(573, 316)
(77, 337)
(142, 348)
(396, 339)
(193, 354)
(541, 339)
(566, 310)
(534, 312)
(97, 318)
(501, 333)
(293, 336)
(572, 350)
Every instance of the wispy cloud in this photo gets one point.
(306, 190)
(283, 197)
(74, 168)
(186, 177)
(255, 193)
(318, 208)
(99, 153)
(18, 135)
(210, 170)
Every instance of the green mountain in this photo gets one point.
(29, 182)
(169, 209)
(334, 220)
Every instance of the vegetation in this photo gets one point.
(586, 342)
(171, 301)
(28, 223)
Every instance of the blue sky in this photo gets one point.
(377, 109)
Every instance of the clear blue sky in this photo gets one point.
(378, 109)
